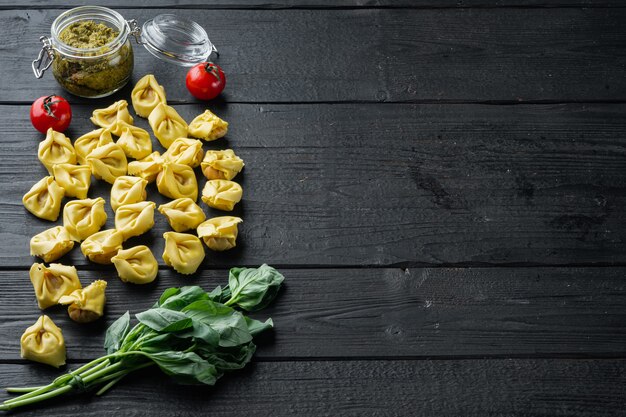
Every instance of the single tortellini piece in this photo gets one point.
(177, 181)
(83, 218)
(44, 199)
(108, 162)
(147, 168)
(221, 165)
(102, 246)
(220, 233)
(56, 149)
(109, 117)
(183, 252)
(43, 342)
(134, 141)
(222, 194)
(90, 141)
(75, 179)
(86, 304)
(185, 151)
(208, 126)
(53, 282)
(183, 214)
(135, 219)
(51, 244)
(127, 190)
(146, 95)
(136, 265)
(167, 124)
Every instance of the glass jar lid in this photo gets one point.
(176, 39)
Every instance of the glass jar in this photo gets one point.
(101, 71)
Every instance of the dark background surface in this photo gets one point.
(441, 182)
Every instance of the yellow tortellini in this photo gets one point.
(135, 219)
(102, 246)
(109, 117)
(134, 141)
(167, 124)
(90, 141)
(146, 95)
(220, 233)
(75, 179)
(127, 190)
(222, 194)
(51, 244)
(208, 126)
(136, 265)
(221, 165)
(56, 149)
(108, 162)
(177, 181)
(44, 199)
(86, 304)
(183, 252)
(53, 282)
(147, 168)
(43, 342)
(183, 214)
(185, 151)
(83, 218)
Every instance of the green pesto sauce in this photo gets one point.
(87, 34)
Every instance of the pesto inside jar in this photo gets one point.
(88, 72)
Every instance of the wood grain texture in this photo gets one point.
(406, 185)
(383, 313)
(371, 388)
(512, 55)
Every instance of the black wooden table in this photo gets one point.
(442, 182)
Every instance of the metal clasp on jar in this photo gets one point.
(45, 58)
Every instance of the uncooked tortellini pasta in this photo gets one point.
(183, 252)
(135, 219)
(185, 151)
(183, 214)
(136, 265)
(220, 233)
(167, 124)
(134, 141)
(44, 199)
(53, 282)
(109, 117)
(75, 179)
(43, 342)
(177, 181)
(208, 126)
(86, 304)
(51, 244)
(146, 95)
(83, 218)
(108, 162)
(221, 194)
(56, 149)
(90, 141)
(127, 190)
(102, 246)
(221, 165)
(147, 168)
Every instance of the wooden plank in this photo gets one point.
(358, 184)
(361, 388)
(383, 313)
(512, 55)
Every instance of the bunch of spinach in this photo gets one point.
(191, 335)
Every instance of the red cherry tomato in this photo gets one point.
(50, 112)
(205, 81)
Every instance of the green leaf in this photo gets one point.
(166, 294)
(228, 359)
(220, 295)
(116, 333)
(229, 323)
(184, 296)
(164, 320)
(254, 288)
(186, 367)
(255, 327)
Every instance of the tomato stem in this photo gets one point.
(47, 105)
(212, 69)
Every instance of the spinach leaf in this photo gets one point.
(228, 359)
(116, 333)
(229, 323)
(255, 327)
(186, 367)
(164, 320)
(254, 288)
(220, 295)
(184, 296)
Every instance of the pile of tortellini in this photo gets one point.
(71, 166)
